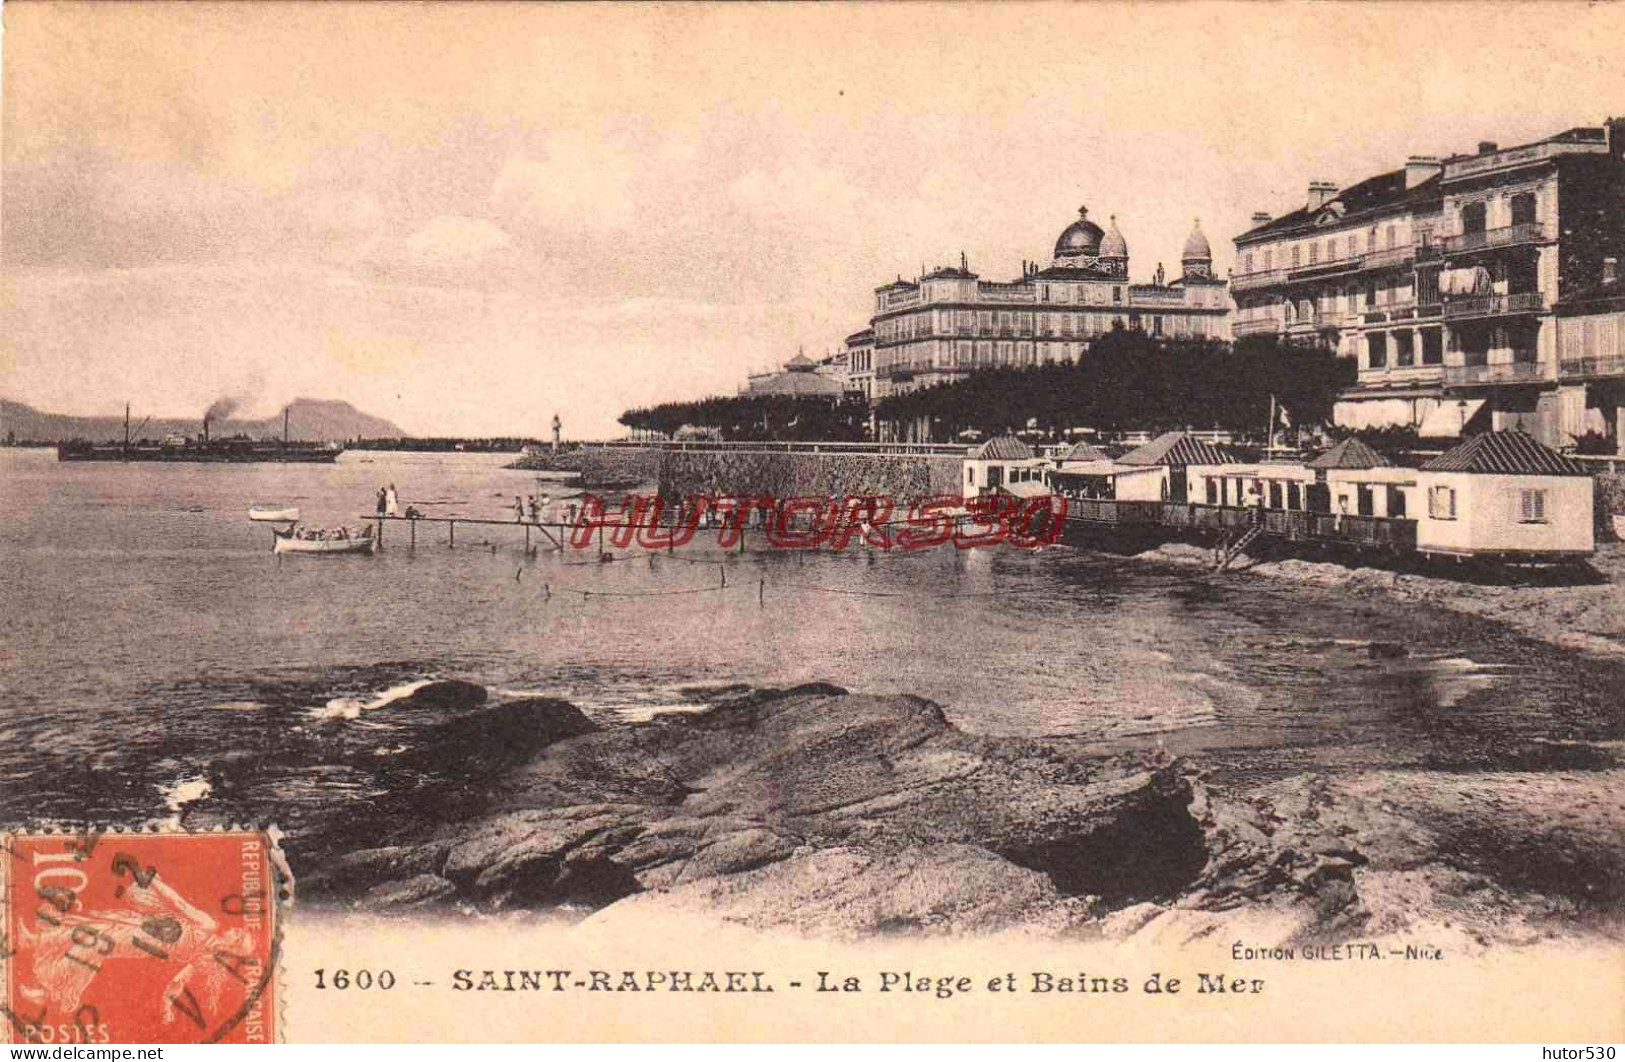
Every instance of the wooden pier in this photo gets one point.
(546, 528)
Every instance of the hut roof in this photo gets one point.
(1351, 453)
(1507, 453)
(1083, 452)
(1003, 448)
(1176, 448)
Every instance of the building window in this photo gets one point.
(1269, 259)
(1531, 506)
(970, 475)
(1247, 262)
(1294, 496)
(1314, 253)
(1404, 349)
(1472, 218)
(1117, 294)
(1523, 209)
(1392, 235)
(1442, 503)
(1351, 245)
(1377, 350)
(1295, 255)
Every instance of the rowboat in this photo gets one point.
(285, 542)
(267, 515)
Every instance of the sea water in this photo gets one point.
(161, 662)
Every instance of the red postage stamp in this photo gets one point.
(140, 937)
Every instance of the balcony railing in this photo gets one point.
(1156, 298)
(1506, 372)
(1256, 326)
(1583, 367)
(1392, 256)
(1262, 279)
(1495, 305)
(1489, 239)
(1330, 267)
(1007, 293)
(1403, 374)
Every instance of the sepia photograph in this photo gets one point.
(1033, 522)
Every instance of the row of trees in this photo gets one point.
(1130, 381)
(752, 418)
(1127, 381)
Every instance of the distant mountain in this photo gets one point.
(309, 419)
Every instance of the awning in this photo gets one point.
(1473, 280)
(1446, 420)
(1101, 468)
(1027, 489)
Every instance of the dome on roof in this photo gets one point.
(1196, 248)
(1082, 237)
(1114, 246)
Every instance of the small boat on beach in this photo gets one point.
(267, 514)
(291, 541)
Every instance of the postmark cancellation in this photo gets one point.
(141, 937)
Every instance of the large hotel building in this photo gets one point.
(1474, 292)
(951, 322)
(1478, 291)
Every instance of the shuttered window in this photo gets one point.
(1442, 503)
(1531, 506)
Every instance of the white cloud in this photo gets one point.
(452, 240)
(580, 183)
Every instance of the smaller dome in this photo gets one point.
(1082, 237)
(1114, 246)
(1196, 248)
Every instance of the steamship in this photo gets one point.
(234, 448)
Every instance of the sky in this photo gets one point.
(468, 218)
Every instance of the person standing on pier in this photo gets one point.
(383, 501)
(518, 509)
(393, 501)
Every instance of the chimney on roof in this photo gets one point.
(1419, 168)
(1488, 147)
(1262, 217)
(1321, 193)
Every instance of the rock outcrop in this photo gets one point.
(824, 811)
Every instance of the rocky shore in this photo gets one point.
(1574, 610)
(837, 814)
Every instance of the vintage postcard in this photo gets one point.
(945, 521)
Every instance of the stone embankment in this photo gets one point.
(597, 464)
(682, 474)
(787, 475)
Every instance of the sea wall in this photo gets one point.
(597, 464)
(785, 475)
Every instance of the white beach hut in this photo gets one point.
(1000, 464)
(1503, 494)
(1361, 482)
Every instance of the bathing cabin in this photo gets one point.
(1503, 495)
(1004, 463)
